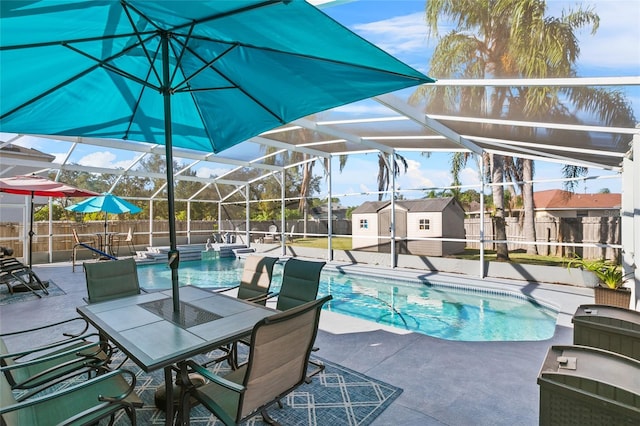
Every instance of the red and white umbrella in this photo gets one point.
(32, 185)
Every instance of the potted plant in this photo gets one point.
(611, 277)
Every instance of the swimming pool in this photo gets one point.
(431, 308)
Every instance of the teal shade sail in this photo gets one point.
(200, 75)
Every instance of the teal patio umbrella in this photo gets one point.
(107, 203)
(201, 75)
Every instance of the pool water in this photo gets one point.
(434, 309)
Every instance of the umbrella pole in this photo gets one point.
(174, 255)
(31, 234)
(104, 242)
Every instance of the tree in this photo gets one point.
(384, 170)
(507, 39)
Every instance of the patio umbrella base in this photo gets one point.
(160, 398)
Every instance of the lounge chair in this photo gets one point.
(85, 403)
(39, 367)
(19, 277)
(254, 286)
(111, 280)
(278, 356)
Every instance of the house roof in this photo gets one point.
(555, 199)
(420, 205)
(26, 153)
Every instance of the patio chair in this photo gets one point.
(128, 240)
(111, 280)
(77, 244)
(37, 368)
(255, 281)
(85, 403)
(300, 283)
(254, 286)
(19, 277)
(278, 356)
(273, 233)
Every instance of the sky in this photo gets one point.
(397, 26)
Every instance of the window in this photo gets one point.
(582, 213)
(364, 223)
(424, 225)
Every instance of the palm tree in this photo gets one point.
(384, 176)
(514, 38)
(384, 173)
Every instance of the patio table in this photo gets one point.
(145, 328)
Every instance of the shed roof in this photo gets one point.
(420, 205)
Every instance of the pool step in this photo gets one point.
(238, 252)
(190, 252)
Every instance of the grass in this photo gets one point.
(338, 243)
(516, 256)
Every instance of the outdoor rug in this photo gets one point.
(7, 298)
(336, 396)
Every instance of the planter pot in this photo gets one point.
(620, 297)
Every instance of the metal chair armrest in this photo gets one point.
(261, 298)
(197, 368)
(84, 330)
(222, 290)
(106, 374)
(48, 347)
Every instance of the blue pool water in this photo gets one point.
(434, 309)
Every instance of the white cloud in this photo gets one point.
(104, 159)
(616, 44)
(206, 172)
(364, 188)
(469, 176)
(415, 176)
(397, 35)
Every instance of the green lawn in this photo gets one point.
(338, 243)
(516, 256)
(344, 243)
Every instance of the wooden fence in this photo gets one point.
(554, 236)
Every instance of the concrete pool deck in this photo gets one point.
(444, 382)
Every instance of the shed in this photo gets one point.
(417, 221)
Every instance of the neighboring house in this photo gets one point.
(559, 203)
(13, 206)
(424, 218)
(321, 212)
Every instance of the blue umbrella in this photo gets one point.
(202, 75)
(107, 203)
